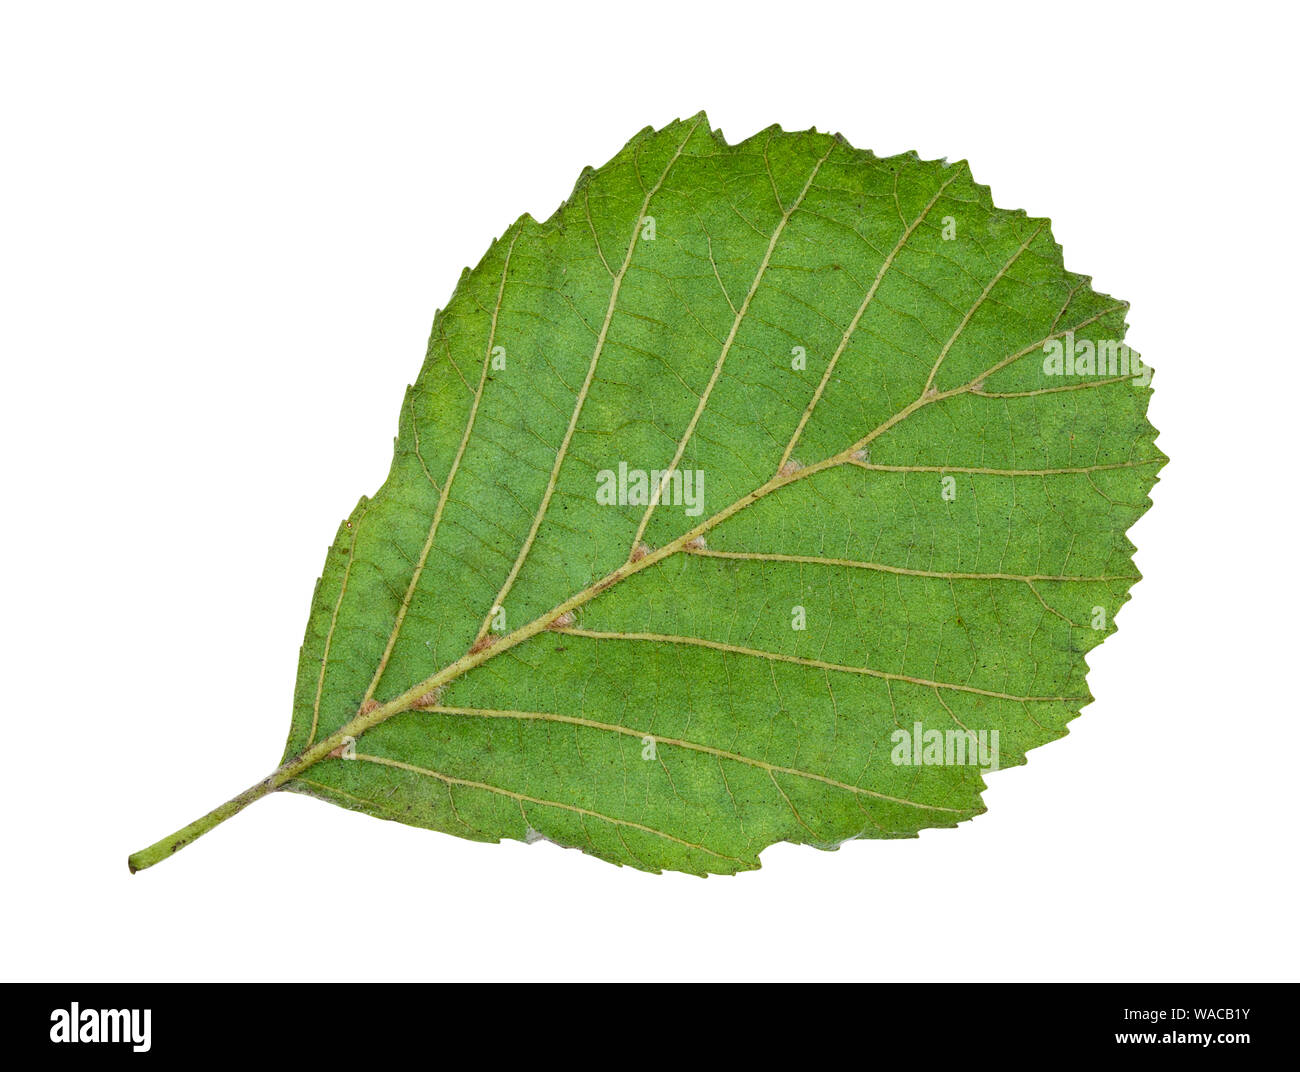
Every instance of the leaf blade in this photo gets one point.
(647, 698)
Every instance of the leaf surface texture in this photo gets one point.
(947, 515)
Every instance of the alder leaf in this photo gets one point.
(902, 443)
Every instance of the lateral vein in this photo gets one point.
(820, 560)
(695, 746)
(525, 798)
(726, 348)
(582, 392)
(734, 649)
(446, 489)
(857, 317)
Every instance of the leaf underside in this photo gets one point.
(948, 516)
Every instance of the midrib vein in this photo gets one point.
(971, 386)
(560, 455)
(417, 694)
(1051, 390)
(364, 721)
(1010, 358)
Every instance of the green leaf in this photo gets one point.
(896, 518)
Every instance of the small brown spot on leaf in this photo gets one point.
(600, 586)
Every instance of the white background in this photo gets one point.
(225, 230)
